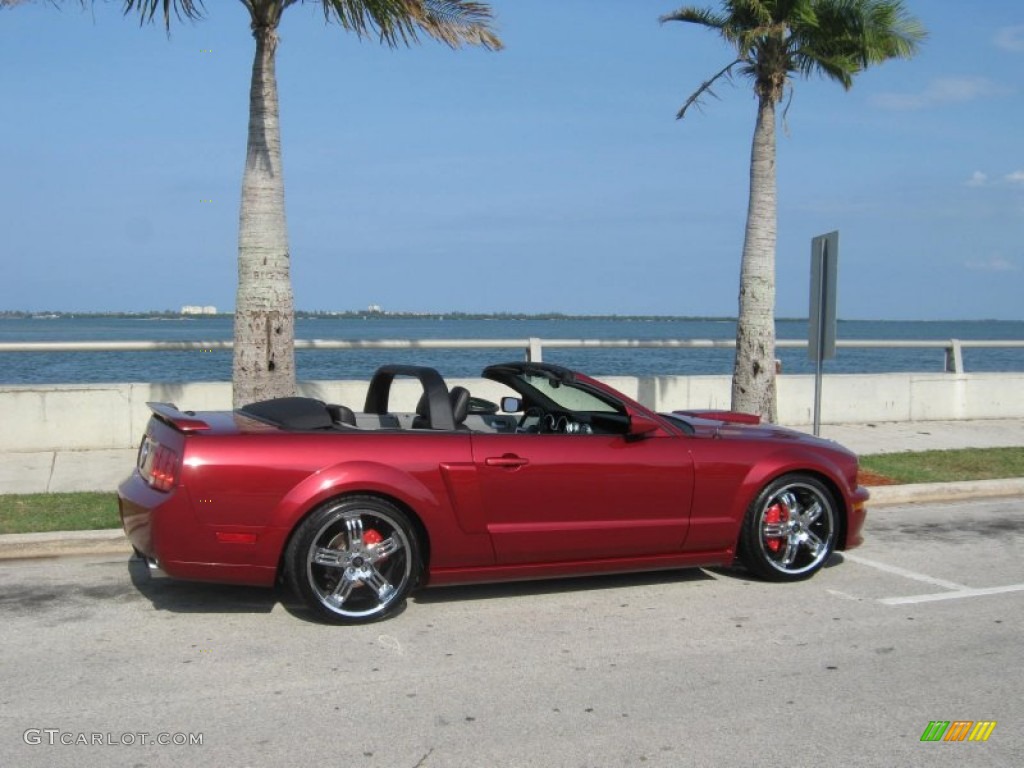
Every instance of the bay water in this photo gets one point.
(165, 366)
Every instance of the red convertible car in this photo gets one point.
(565, 477)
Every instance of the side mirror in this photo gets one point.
(511, 404)
(642, 425)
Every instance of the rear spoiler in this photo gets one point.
(731, 417)
(183, 422)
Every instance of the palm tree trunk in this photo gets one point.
(753, 379)
(264, 356)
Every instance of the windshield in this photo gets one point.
(566, 396)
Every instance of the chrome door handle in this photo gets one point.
(508, 461)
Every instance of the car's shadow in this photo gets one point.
(514, 589)
(589, 583)
(168, 594)
(197, 597)
(739, 571)
(835, 559)
(177, 596)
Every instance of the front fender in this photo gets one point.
(726, 484)
(792, 460)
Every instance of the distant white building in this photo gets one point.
(194, 309)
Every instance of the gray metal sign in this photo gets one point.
(821, 338)
(824, 269)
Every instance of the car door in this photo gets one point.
(562, 497)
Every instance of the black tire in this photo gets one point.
(354, 560)
(790, 529)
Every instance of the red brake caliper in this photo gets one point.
(775, 515)
(372, 537)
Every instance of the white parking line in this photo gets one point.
(952, 595)
(956, 592)
(904, 572)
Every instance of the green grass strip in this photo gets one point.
(947, 466)
(38, 512)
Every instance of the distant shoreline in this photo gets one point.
(361, 315)
(366, 315)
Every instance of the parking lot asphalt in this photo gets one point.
(701, 667)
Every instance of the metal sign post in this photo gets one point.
(821, 341)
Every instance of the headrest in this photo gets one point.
(460, 403)
(342, 414)
(423, 406)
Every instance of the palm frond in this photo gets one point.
(837, 67)
(456, 21)
(706, 88)
(847, 36)
(891, 32)
(749, 14)
(399, 22)
(183, 9)
(775, 39)
(12, 3)
(702, 16)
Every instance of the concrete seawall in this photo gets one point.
(84, 437)
(85, 417)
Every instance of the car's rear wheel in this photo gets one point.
(354, 560)
(790, 529)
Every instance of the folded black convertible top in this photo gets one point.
(291, 413)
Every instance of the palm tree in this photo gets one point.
(774, 41)
(264, 359)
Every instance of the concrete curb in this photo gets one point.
(885, 495)
(17, 546)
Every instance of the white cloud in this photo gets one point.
(982, 179)
(1010, 38)
(942, 91)
(995, 264)
(978, 179)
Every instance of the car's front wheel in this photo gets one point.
(790, 529)
(354, 560)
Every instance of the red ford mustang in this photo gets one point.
(568, 477)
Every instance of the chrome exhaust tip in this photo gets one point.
(154, 569)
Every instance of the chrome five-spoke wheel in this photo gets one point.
(354, 560)
(790, 530)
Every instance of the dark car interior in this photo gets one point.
(439, 408)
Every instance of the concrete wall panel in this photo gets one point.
(113, 416)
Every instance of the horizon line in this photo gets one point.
(457, 314)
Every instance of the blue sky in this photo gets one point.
(551, 176)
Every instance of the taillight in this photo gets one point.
(158, 464)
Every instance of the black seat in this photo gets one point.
(460, 404)
(342, 414)
(459, 399)
(422, 420)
